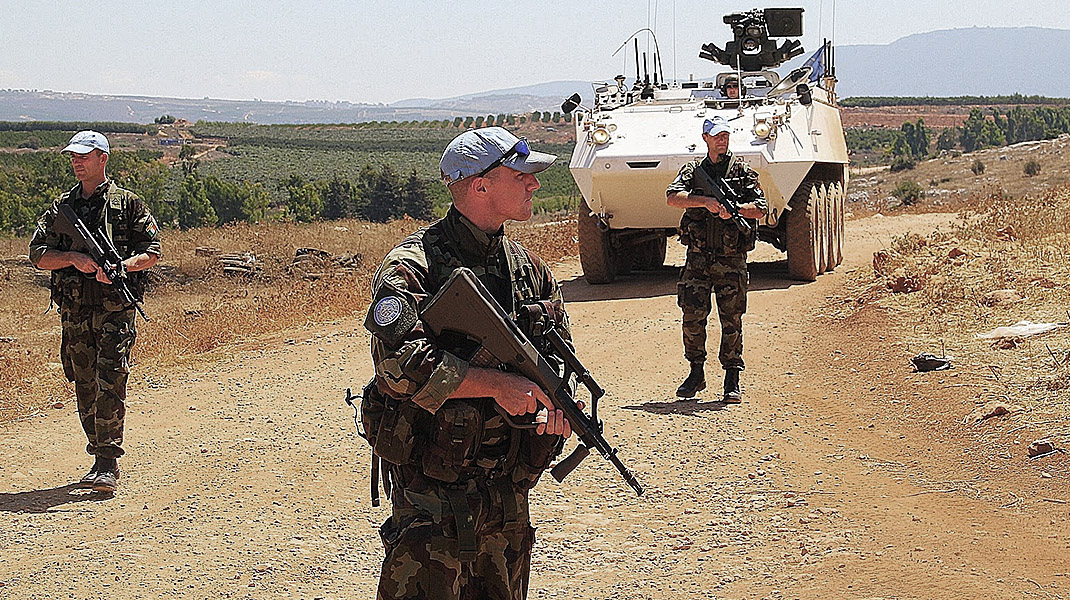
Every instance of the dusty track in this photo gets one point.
(840, 476)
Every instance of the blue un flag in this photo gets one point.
(817, 61)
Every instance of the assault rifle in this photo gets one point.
(720, 190)
(463, 307)
(102, 250)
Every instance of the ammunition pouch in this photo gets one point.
(454, 440)
(702, 230)
(536, 454)
(71, 289)
(389, 425)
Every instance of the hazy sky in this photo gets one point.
(383, 51)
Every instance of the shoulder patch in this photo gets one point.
(392, 315)
(387, 311)
(151, 229)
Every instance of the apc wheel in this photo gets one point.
(825, 229)
(803, 230)
(596, 256)
(835, 202)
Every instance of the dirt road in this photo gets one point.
(840, 476)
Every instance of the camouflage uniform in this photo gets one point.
(716, 261)
(457, 475)
(98, 329)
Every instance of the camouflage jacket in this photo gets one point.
(408, 364)
(124, 218)
(703, 230)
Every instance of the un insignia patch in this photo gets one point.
(387, 311)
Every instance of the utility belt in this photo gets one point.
(703, 230)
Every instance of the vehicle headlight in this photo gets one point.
(600, 136)
(762, 130)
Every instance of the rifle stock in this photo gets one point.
(102, 251)
(463, 306)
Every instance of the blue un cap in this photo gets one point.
(478, 151)
(85, 142)
(715, 125)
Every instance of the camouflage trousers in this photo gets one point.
(725, 277)
(95, 351)
(429, 557)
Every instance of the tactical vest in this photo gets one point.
(705, 231)
(465, 437)
(72, 289)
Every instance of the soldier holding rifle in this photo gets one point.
(722, 199)
(458, 474)
(97, 313)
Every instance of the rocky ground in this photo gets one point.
(842, 474)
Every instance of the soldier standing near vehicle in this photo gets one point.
(716, 256)
(458, 475)
(98, 329)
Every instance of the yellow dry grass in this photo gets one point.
(1006, 262)
(196, 308)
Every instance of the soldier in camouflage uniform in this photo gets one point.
(716, 257)
(457, 474)
(98, 328)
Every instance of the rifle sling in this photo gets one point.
(376, 463)
(466, 525)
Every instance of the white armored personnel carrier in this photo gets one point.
(632, 142)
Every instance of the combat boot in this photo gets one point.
(695, 382)
(89, 478)
(108, 477)
(732, 393)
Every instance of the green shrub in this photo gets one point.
(908, 192)
(901, 163)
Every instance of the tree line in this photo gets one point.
(913, 140)
(73, 126)
(874, 101)
(181, 197)
(378, 194)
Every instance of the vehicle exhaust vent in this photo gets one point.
(644, 164)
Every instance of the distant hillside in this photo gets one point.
(975, 61)
(959, 62)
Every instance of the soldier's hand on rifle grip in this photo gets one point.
(553, 422)
(715, 207)
(517, 395)
(83, 262)
(102, 276)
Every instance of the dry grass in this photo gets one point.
(1019, 245)
(951, 185)
(196, 309)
